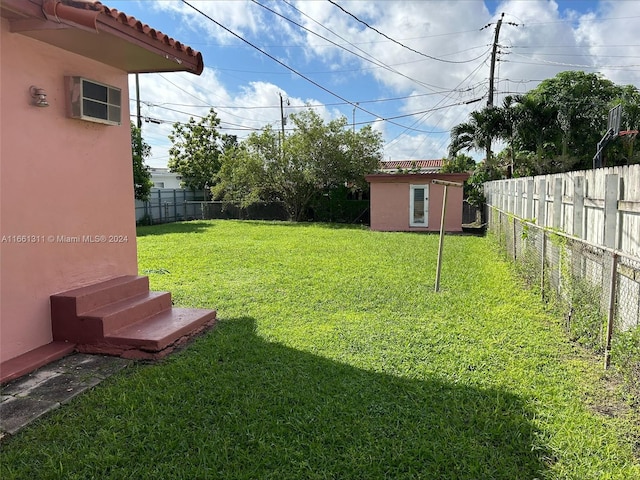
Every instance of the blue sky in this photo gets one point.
(415, 82)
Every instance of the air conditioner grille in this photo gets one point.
(94, 101)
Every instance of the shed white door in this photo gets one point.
(419, 206)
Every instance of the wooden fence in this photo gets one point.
(577, 236)
(600, 206)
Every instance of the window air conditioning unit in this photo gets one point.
(93, 101)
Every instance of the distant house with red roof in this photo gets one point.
(414, 166)
(69, 277)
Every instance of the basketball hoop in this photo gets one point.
(630, 134)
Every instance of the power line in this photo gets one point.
(573, 21)
(321, 87)
(377, 62)
(312, 105)
(397, 137)
(549, 62)
(400, 43)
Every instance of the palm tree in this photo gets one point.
(536, 128)
(477, 134)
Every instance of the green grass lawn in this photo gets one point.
(334, 359)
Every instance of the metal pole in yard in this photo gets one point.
(444, 209)
(543, 255)
(611, 313)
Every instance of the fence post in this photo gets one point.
(184, 204)
(610, 210)
(542, 262)
(557, 202)
(611, 310)
(529, 213)
(542, 203)
(512, 196)
(505, 195)
(578, 207)
(515, 256)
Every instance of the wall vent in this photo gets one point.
(93, 101)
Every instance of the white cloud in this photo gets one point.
(551, 36)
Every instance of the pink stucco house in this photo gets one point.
(69, 275)
(413, 203)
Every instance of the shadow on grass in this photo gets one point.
(306, 224)
(233, 405)
(194, 226)
(200, 226)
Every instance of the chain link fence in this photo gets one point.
(597, 289)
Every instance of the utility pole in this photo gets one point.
(492, 71)
(283, 121)
(355, 105)
(494, 52)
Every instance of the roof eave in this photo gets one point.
(101, 37)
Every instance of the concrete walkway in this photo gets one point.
(27, 398)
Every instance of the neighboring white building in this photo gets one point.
(163, 178)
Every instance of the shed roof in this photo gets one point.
(93, 30)
(431, 165)
(415, 177)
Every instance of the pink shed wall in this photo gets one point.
(58, 177)
(390, 202)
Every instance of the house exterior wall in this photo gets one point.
(163, 178)
(390, 199)
(60, 179)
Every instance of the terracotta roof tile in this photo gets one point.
(411, 164)
(68, 10)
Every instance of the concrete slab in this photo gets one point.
(16, 412)
(27, 398)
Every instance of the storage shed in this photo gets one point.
(412, 203)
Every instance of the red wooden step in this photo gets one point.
(122, 317)
(85, 299)
(130, 310)
(155, 333)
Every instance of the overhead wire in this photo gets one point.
(373, 60)
(307, 105)
(563, 64)
(313, 82)
(446, 139)
(400, 43)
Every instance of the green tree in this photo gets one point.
(314, 158)
(552, 128)
(475, 134)
(141, 175)
(582, 102)
(459, 164)
(196, 151)
(621, 151)
(245, 167)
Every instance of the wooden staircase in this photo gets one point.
(122, 317)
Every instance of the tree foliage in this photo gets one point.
(314, 158)
(461, 163)
(141, 175)
(552, 128)
(197, 147)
